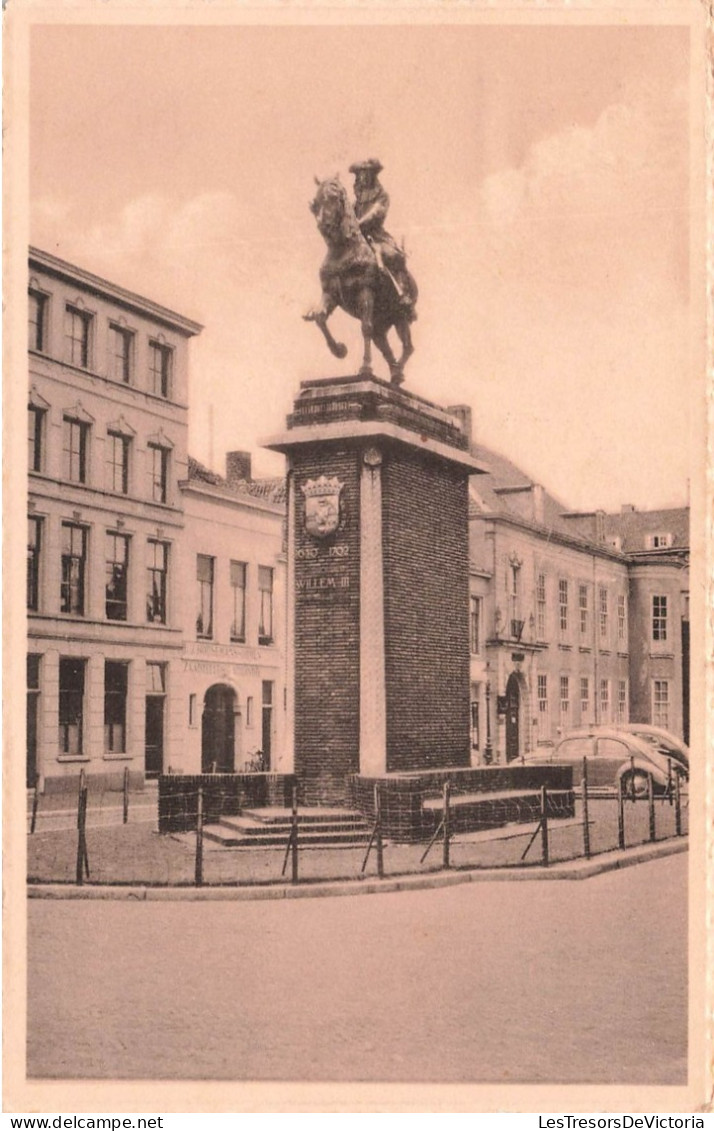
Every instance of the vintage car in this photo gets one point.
(614, 756)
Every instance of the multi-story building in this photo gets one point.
(234, 584)
(575, 618)
(107, 435)
(657, 545)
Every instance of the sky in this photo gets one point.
(538, 176)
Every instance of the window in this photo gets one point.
(121, 353)
(32, 716)
(158, 473)
(584, 699)
(475, 626)
(514, 594)
(564, 703)
(267, 723)
(74, 449)
(659, 618)
(584, 609)
(604, 700)
(204, 576)
(160, 362)
(77, 333)
(621, 617)
(622, 700)
(249, 711)
(157, 570)
(118, 462)
(265, 619)
(604, 614)
(475, 727)
(115, 688)
(35, 437)
(660, 703)
(658, 541)
(117, 576)
(238, 580)
(541, 606)
(37, 321)
(155, 678)
(563, 604)
(71, 705)
(74, 568)
(34, 547)
(543, 713)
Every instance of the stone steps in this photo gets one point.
(270, 828)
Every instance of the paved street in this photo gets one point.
(557, 981)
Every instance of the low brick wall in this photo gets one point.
(402, 795)
(223, 795)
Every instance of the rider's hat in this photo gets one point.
(372, 165)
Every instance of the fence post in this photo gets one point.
(651, 807)
(544, 823)
(82, 858)
(126, 795)
(199, 838)
(294, 836)
(79, 794)
(677, 806)
(378, 821)
(620, 814)
(447, 824)
(586, 816)
(35, 803)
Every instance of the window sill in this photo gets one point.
(266, 643)
(73, 758)
(565, 647)
(584, 648)
(117, 757)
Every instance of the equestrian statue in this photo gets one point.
(364, 271)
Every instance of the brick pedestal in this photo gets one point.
(378, 584)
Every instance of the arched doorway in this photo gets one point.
(513, 718)
(218, 730)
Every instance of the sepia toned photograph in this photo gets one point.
(360, 759)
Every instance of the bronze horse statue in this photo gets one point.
(352, 278)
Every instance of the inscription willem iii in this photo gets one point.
(322, 566)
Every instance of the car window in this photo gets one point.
(574, 748)
(612, 748)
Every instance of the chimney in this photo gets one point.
(599, 526)
(462, 412)
(238, 467)
(627, 508)
(538, 511)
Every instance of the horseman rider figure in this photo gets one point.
(371, 207)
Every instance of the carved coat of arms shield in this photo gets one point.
(322, 506)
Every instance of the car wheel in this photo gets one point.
(635, 784)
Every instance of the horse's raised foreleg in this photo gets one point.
(319, 316)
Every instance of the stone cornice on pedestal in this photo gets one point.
(364, 409)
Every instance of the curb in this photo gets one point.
(572, 870)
